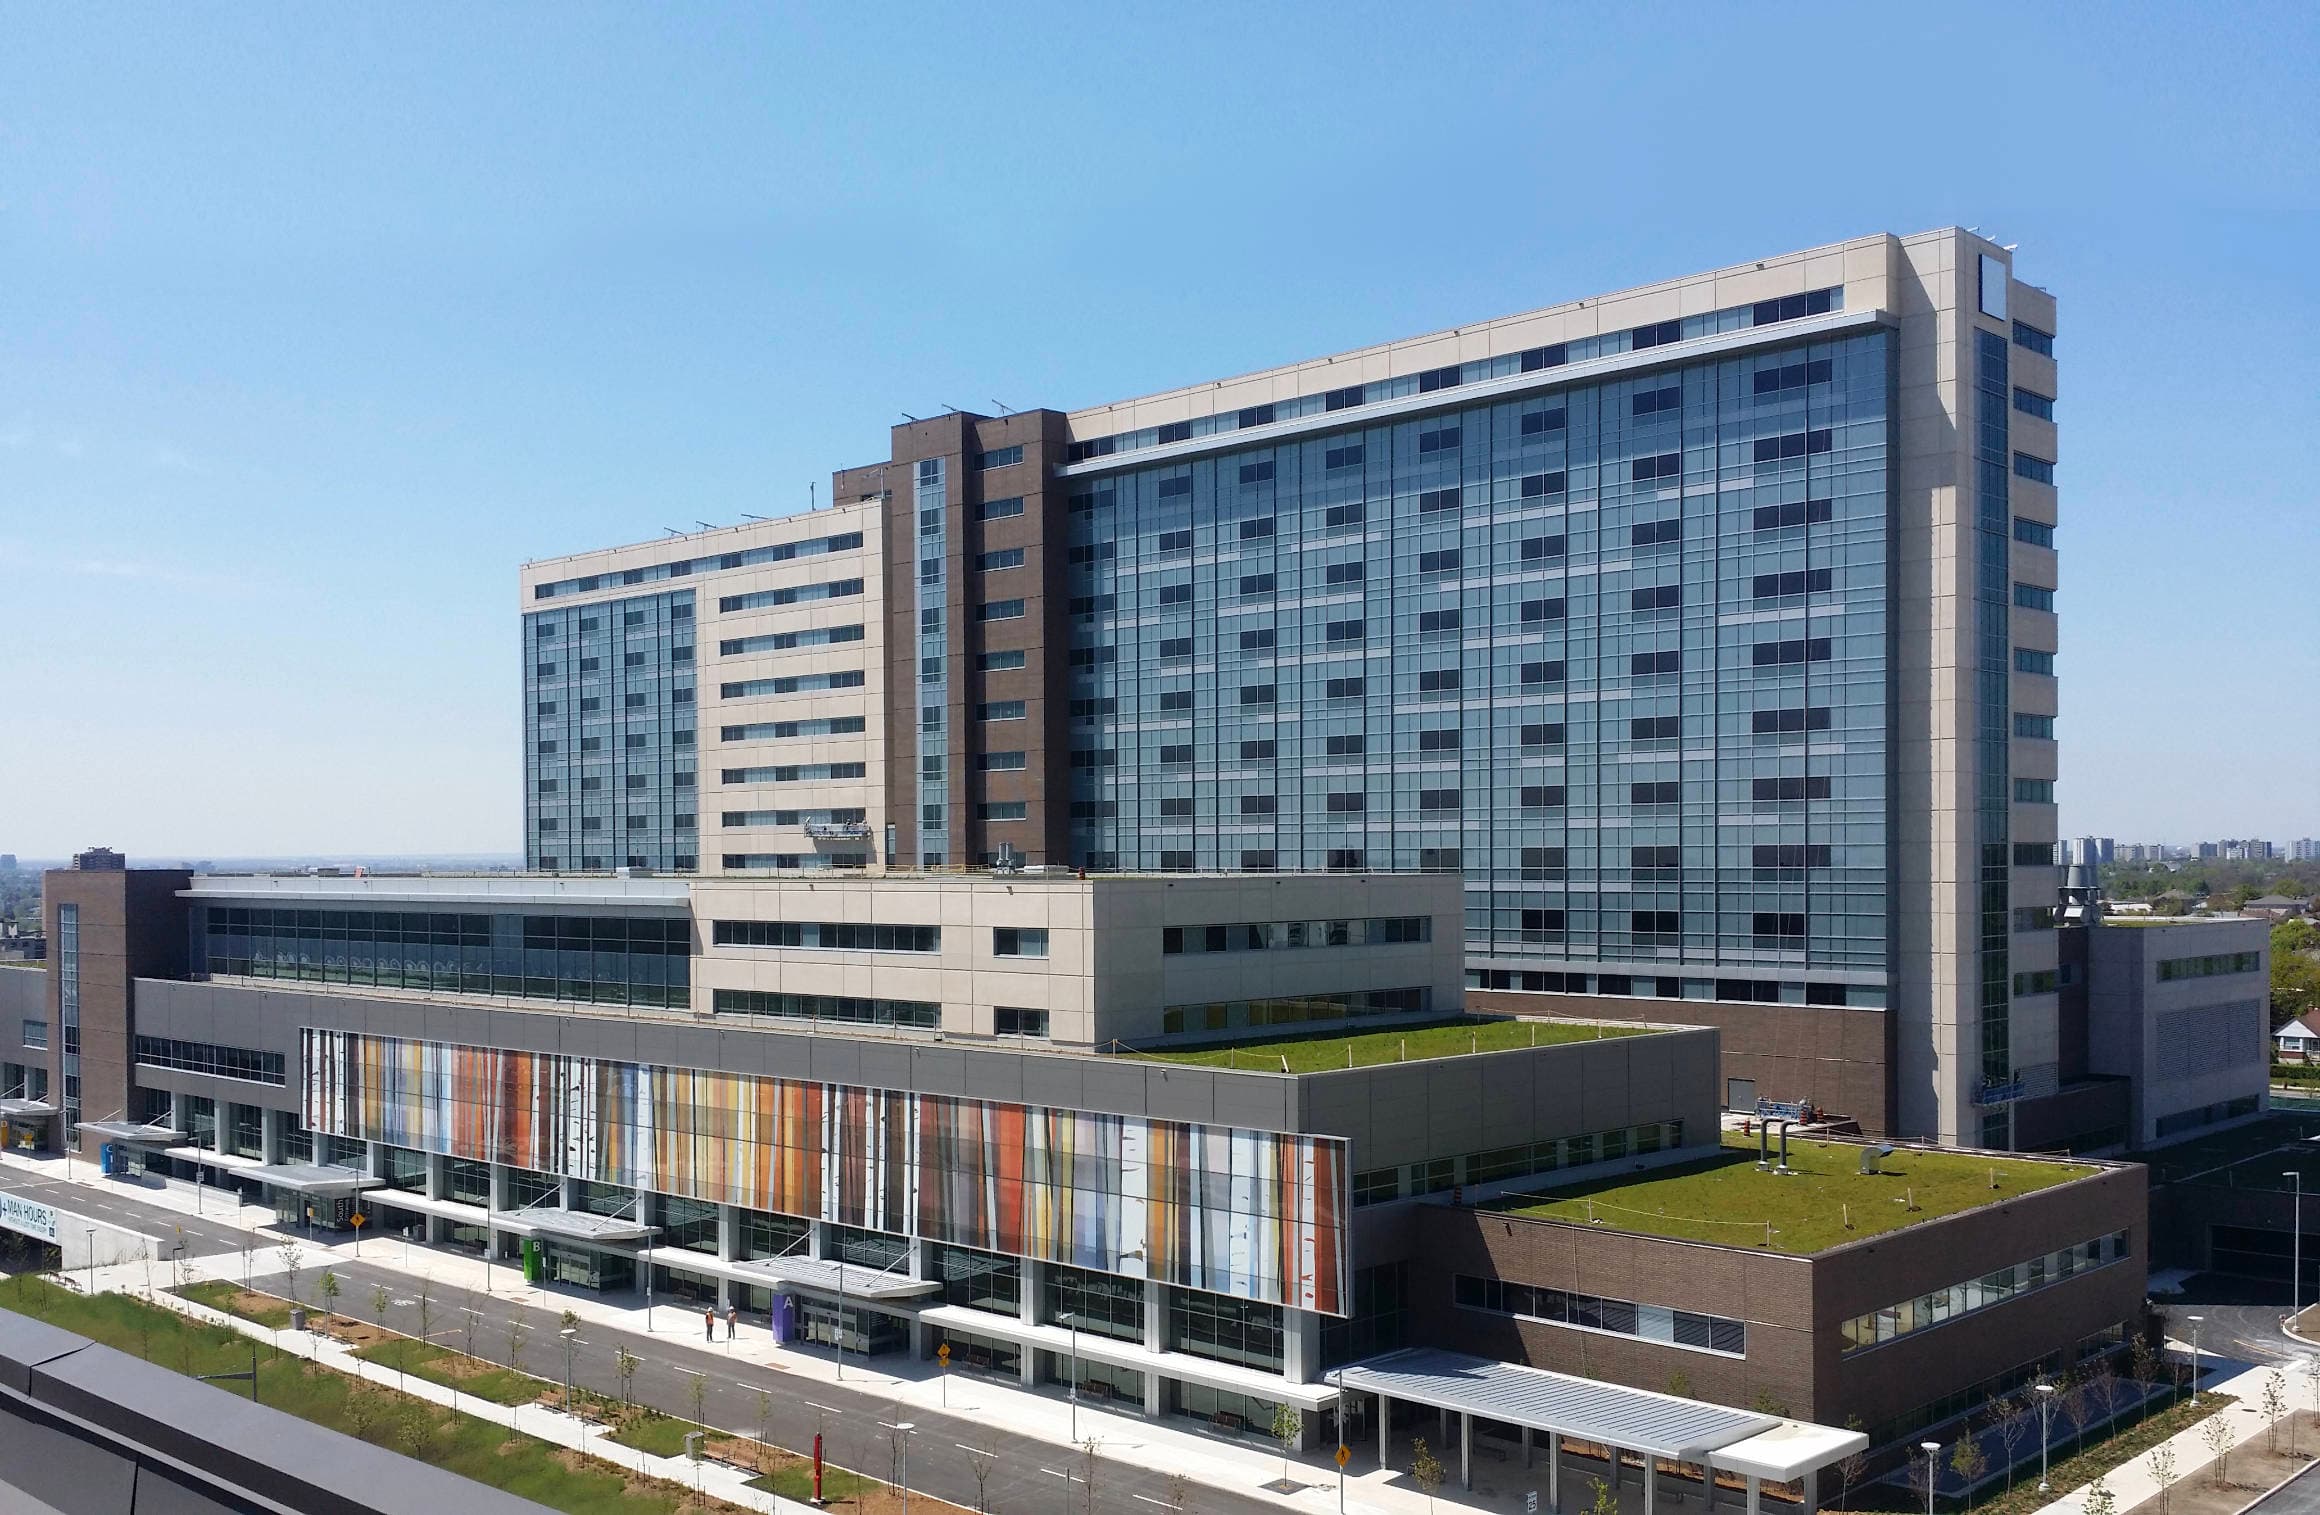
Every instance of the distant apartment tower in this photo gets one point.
(2304, 849)
(1706, 628)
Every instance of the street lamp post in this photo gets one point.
(1932, 1451)
(2195, 1320)
(89, 1245)
(1071, 1385)
(902, 1428)
(2295, 1247)
(2045, 1419)
(569, 1335)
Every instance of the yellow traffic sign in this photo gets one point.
(943, 1352)
(357, 1219)
(1343, 1456)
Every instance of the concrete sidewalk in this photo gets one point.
(2132, 1483)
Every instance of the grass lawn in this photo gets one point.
(796, 1481)
(1324, 1050)
(1724, 1199)
(455, 1370)
(661, 1435)
(458, 1443)
(233, 1299)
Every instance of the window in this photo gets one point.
(1012, 1020)
(1257, 751)
(1655, 533)
(1346, 802)
(1784, 722)
(1796, 513)
(1438, 680)
(2036, 533)
(999, 610)
(1018, 941)
(1344, 688)
(1658, 334)
(1816, 302)
(1438, 799)
(1174, 541)
(1655, 927)
(993, 662)
(1789, 857)
(1175, 594)
(1782, 790)
(36, 1033)
(1541, 797)
(1655, 597)
(2032, 403)
(1005, 557)
(1785, 653)
(1000, 710)
(1257, 694)
(2040, 727)
(1655, 728)
(1448, 739)
(1666, 465)
(1535, 549)
(1341, 573)
(1539, 422)
(2033, 597)
(1543, 734)
(827, 936)
(999, 510)
(1258, 640)
(2031, 660)
(1253, 584)
(1645, 665)
(1655, 793)
(1534, 611)
(1175, 700)
(1347, 456)
(1254, 415)
(1434, 622)
(2174, 969)
(914, 1015)
(1340, 516)
(1446, 560)
(1256, 527)
(1655, 860)
(1257, 804)
(1352, 744)
(999, 457)
(2034, 791)
(1343, 399)
(1540, 486)
(1257, 473)
(1172, 431)
(1432, 379)
(1000, 762)
(1434, 500)
(2036, 470)
(1794, 445)
(1787, 376)
(1774, 586)
(1546, 671)
(2026, 335)
(1779, 926)
(2033, 854)
(1441, 439)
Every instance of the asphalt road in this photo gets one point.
(1027, 1476)
(2249, 1333)
(2298, 1496)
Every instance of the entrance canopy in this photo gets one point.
(27, 1112)
(1636, 1419)
(323, 1180)
(583, 1226)
(836, 1278)
(132, 1134)
(1790, 1450)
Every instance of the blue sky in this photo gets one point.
(314, 323)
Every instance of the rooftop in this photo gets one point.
(1321, 1051)
(1826, 1203)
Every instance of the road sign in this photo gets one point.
(1531, 1503)
(356, 1220)
(1344, 1457)
(942, 1354)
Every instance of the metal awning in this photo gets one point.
(133, 1134)
(1638, 1420)
(26, 1111)
(835, 1278)
(323, 1179)
(1790, 1450)
(576, 1225)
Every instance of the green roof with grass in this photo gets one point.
(1827, 1203)
(1321, 1051)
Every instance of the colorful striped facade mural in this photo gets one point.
(1253, 1214)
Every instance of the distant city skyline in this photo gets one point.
(283, 410)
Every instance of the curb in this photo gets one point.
(2275, 1488)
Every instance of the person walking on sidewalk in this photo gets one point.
(709, 1321)
(732, 1319)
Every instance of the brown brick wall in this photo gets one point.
(1794, 1307)
(1830, 1056)
(132, 925)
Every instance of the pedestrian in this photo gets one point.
(709, 1321)
(732, 1320)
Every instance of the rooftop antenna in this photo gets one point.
(746, 516)
(1005, 409)
(704, 525)
(907, 416)
(672, 531)
(813, 494)
(953, 410)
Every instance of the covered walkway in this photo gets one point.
(1658, 1427)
